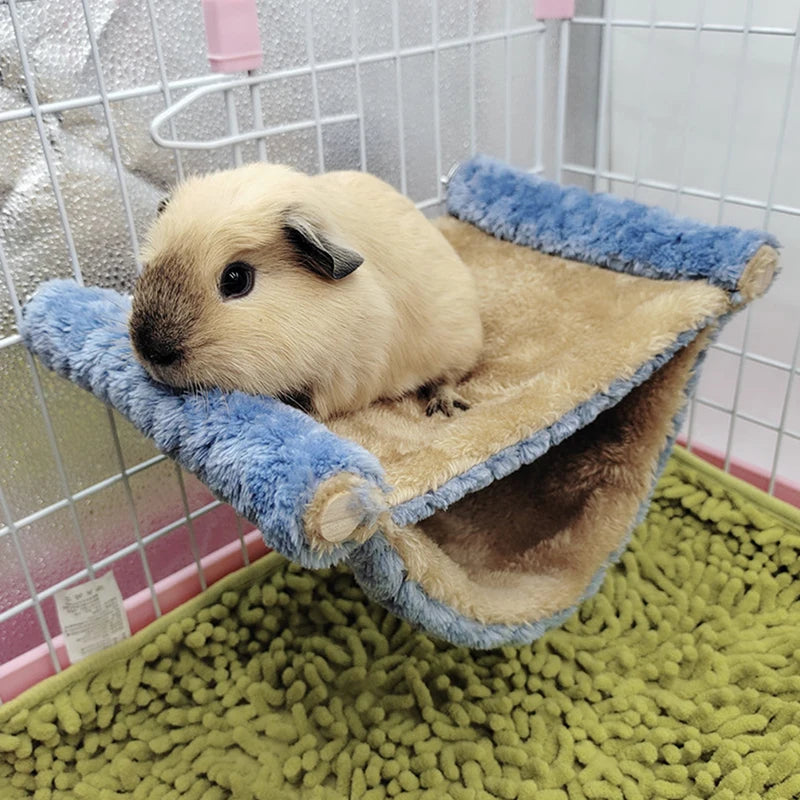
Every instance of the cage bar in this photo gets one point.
(735, 413)
(508, 84)
(314, 85)
(398, 74)
(783, 430)
(112, 134)
(35, 598)
(637, 169)
(561, 108)
(187, 512)
(693, 191)
(689, 101)
(214, 80)
(232, 126)
(437, 124)
(473, 112)
(761, 30)
(165, 87)
(258, 118)
(601, 156)
(362, 136)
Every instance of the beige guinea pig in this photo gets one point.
(329, 291)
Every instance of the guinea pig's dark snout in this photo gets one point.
(155, 346)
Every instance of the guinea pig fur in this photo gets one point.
(330, 290)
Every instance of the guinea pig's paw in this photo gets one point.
(443, 399)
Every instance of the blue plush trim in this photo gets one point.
(263, 457)
(598, 228)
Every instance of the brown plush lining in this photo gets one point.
(557, 332)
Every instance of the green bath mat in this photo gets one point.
(679, 679)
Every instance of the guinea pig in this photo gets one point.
(328, 291)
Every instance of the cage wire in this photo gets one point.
(688, 105)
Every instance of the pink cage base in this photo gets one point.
(36, 664)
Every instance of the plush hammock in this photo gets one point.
(488, 527)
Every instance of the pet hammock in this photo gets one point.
(488, 527)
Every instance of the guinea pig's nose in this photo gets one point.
(163, 355)
(161, 351)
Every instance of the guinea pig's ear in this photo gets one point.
(317, 249)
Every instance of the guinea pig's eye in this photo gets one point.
(237, 280)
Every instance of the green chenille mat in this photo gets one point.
(680, 679)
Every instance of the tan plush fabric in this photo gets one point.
(556, 333)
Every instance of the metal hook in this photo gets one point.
(445, 179)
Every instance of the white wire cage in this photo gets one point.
(690, 105)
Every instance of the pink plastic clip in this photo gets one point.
(232, 35)
(554, 9)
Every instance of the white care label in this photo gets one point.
(92, 616)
